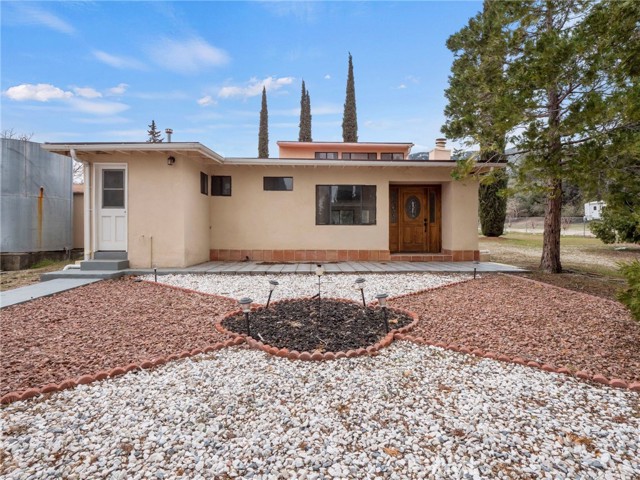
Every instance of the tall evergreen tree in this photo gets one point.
(305, 116)
(350, 117)
(572, 75)
(263, 135)
(154, 134)
(478, 89)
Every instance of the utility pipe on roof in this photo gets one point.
(87, 204)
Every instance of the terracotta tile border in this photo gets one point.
(340, 256)
(317, 355)
(582, 375)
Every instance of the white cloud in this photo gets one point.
(327, 109)
(120, 62)
(402, 86)
(42, 92)
(97, 108)
(118, 89)
(327, 77)
(87, 92)
(206, 101)
(32, 15)
(254, 87)
(86, 100)
(187, 56)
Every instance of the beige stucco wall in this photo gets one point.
(78, 220)
(167, 216)
(253, 219)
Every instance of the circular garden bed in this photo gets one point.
(311, 325)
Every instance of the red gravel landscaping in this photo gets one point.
(513, 316)
(102, 326)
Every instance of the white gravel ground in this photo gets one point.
(339, 285)
(411, 412)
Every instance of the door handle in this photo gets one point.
(425, 224)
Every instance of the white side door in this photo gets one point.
(111, 203)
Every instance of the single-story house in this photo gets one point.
(178, 204)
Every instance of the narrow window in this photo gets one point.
(326, 155)
(204, 183)
(359, 156)
(278, 184)
(392, 156)
(221, 185)
(345, 204)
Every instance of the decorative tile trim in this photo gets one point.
(341, 256)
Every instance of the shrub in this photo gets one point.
(631, 295)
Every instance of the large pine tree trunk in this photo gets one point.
(550, 261)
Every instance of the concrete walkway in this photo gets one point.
(55, 282)
(42, 289)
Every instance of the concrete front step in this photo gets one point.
(114, 265)
(113, 255)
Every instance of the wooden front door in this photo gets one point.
(415, 219)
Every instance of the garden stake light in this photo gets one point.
(155, 274)
(245, 304)
(382, 301)
(319, 273)
(360, 285)
(272, 286)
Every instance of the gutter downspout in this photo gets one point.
(87, 205)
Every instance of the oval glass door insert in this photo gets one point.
(412, 207)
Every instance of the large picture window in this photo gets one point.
(345, 205)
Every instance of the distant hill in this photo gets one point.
(418, 156)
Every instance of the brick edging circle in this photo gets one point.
(547, 367)
(317, 355)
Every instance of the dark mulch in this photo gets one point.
(311, 325)
(102, 326)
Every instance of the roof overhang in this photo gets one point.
(310, 162)
(189, 149)
(351, 146)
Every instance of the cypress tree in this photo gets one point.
(305, 116)
(493, 205)
(308, 117)
(350, 118)
(263, 135)
(154, 134)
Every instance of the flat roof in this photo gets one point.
(293, 143)
(194, 148)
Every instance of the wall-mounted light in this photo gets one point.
(171, 160)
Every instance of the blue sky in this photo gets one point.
(101, 71)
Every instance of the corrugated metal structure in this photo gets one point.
(36, 200)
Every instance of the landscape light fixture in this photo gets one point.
(171, 160)
(155, 274)
(359, 283)
(319, 273)
(245, 304)
(382, 301)
(272, 286)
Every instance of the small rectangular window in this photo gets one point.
(345, 204)
(359, 156)
(392, 156)
(279, 184)
(204, 183)
(326, 155)
(221, 185)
